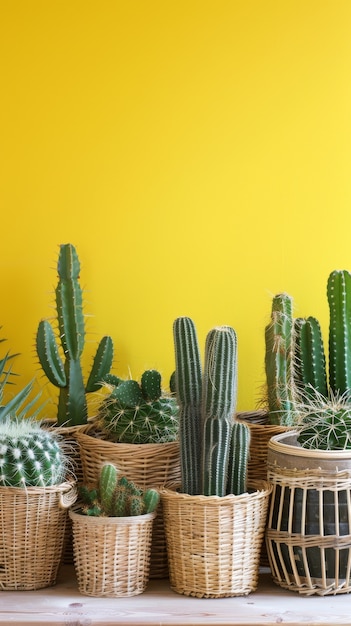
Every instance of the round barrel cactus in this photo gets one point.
(140, 413)
(29, 455)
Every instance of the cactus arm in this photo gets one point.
(279, 361)
(48, 354)
(101, 365)
(151, 385)
(339, 299)
(151, 499)
(310, 357)
(72, 404)
(189, 391)
(238, 458)
(218, 407)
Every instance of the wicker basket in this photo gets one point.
(308, 528)
(112, 554)
(32, 531)
(214, 543)
(148, 465)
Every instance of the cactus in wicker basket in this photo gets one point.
(116, 496)
(66, 372)
(214, 447)
(139, 413)
(319, 405)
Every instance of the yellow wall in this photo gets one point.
(196, 152)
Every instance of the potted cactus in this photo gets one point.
(308, 536)
(34, 493)
(214, 513)
(112, 532)
(60, 350)
(136, 429)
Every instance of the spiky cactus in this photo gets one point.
(318, 405)
(279, 361)
(139, 413)
(214, 447)
(29, 455)
(62, 363)
(116, 496)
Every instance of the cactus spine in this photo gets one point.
(116, 496)
(209, 435)
(139, 413)
(66, 374)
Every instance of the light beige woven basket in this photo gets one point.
(32, 531)
(112, 554)
(148, 465)
(214, 543)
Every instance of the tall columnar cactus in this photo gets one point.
(66, 373)
(29, 455)
(116, 496)
(339, 298)
(188, 383)
(279, 361)
(139, 413)
(310, 368)
(214, 446)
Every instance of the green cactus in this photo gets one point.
(116, 496)
(29, 455)
(213, 451)
(188, 384)
(279, 361)
(66, 373)
(140, 413)
(317, 405)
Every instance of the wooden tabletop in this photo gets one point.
(159, 606)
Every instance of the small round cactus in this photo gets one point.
(140, 413)
(29, 455)
(325, 423)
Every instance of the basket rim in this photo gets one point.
(61, 487)
(261, 488)
(92, 520)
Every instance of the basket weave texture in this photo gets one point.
(112, 554)
(148, 465)
(32, 531)
(310, 552)
(214, 543)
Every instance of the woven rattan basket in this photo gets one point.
(308, 532)
(148, 465)
(214, 543)
(32, 531)
(112, 554)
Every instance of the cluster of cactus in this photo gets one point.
(64, 370)
(214, 447)
(29, 455)
(116, 496)
(300, 392)
(139, 413)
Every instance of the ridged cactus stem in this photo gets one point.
(107, 486)
(279, 361)
(310, 369)
(218, 407)
(238, 458)
(339, 298)
(66, 373)
(189, 392)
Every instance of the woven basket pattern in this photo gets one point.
(214, 543)
(32, 531)
(112, 554)
(148, 465)
(296, 555)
